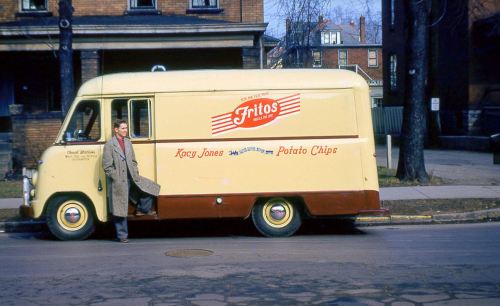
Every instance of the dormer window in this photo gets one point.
(33, 5)
(142, 4)
(330, 38)
(204, 4)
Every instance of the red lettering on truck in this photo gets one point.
(255, 113)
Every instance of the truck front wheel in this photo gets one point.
(276, 217)
(70, 218)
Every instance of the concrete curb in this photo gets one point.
(474, 216)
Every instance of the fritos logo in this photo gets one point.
(255, 113)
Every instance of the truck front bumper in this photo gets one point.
(26, 211)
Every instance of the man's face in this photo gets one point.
(122, 130)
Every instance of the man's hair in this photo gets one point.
(119, 122)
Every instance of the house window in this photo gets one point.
(34, 5)
(316, 54)
(203, 4)
(335, 38)
(372, 58)
(328, 38)
(392, 12)
(377, 102)
(143, 4)
(342, 57)
(393, 77)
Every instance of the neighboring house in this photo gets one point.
(464, 62)
(113, 36)
(332, 46)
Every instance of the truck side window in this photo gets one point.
(119, 110)
(140, 114)
(85, 123)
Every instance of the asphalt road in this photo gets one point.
(396, 265)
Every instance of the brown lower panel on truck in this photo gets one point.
(324, 203)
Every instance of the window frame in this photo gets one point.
(325, 36)
(73, 136)
(332, 36)
(375, 51)
(393, 72)
(29, 10)
(204, 7)
(392, 13)
(346, 57)
(320, 59)
(131, 7)
(377, 101)
(131, 122)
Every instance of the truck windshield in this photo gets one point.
(85, 123)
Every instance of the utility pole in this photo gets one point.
(66, 54)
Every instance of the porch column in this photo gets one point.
(90, 60)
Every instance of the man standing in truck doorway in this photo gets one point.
(124, 181)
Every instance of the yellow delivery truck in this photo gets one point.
(276, 146)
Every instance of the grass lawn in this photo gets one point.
(11, 189)
(387, 178)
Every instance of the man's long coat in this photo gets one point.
(115, 164)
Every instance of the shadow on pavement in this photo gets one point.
(219, 228)
(199, 228)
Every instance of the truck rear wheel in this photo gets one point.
(70, 218)
(276, 217)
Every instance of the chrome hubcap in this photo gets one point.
(72, 215)
(278, 212)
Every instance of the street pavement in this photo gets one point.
(452, 264)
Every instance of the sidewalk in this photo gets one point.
(10, 203)
(439, 192)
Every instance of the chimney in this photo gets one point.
(362, 29)
(320, 20)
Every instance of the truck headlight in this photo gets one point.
(34, 178)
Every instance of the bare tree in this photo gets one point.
(344, 15)
(302, 18)
(66, 54)
(411, 164)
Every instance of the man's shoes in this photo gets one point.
(122, 240)
(140, 213)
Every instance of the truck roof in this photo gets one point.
(221, 80)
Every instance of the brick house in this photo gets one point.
(111, 36)
(464, 62)
(334, 46)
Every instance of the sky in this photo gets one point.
(276, 19)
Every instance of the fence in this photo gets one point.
(387, 120)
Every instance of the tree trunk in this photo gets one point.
(411, 164)
(66, 54)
